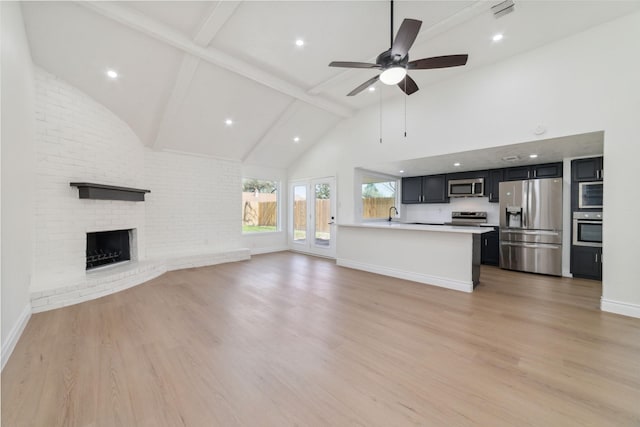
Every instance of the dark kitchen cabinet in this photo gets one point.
(412, 190)
(434, 189)
(587, 169)
(490, 248)
(425, 189)
(496, 176)
(517, 173)
(548, 170)
(586, 262)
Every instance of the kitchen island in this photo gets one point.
(440, 255)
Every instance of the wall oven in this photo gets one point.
(587, 229)
(590, 195)
(466, 187)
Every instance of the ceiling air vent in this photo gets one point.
(510, 158)
(503, 8)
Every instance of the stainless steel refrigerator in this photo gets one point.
(531, 225)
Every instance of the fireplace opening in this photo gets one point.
(107, 247)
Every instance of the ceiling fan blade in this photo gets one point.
(408, 85)
(438, 62)
(406, 36)
(363, 86)
(346, 64)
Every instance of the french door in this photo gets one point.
(312, 217)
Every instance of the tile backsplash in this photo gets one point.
(441, 212)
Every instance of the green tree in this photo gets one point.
(370, 190)
(323, 191)
(250, 185)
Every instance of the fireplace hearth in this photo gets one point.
(107, 247)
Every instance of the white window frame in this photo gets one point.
(278, 208)
(359, 180)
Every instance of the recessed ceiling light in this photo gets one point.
(112, 74)
(296, 139)
(456, 164)
(372, 89)
(497, 37)
(299, 42)
(533, 156)
(228, 122)
(401, 171)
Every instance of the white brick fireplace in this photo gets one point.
(190, 218)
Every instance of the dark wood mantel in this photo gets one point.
(89, 190)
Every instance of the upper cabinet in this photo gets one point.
(412, 190)
(496, 176)
(587, 169)
(425, 189)
(434, 188)
(548, 170)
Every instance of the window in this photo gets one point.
(379, 194)
(259, 206)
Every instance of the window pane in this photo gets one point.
(299, 213)
(378, 195)
(259, 206)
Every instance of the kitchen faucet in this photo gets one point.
(394, 208)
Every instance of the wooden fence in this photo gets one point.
(266, 213)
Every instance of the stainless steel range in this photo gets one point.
(467, 218)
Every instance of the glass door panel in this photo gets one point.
(324, 218)
(299, 213)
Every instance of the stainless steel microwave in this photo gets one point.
(590, 195)
(466, 187)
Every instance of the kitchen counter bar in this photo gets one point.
(440, 255)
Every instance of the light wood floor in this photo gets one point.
(288, 339)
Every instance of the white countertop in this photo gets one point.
(419, 227)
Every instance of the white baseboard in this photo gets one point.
(15, 333)
(619, 307)
(258, 251)
(457, 285)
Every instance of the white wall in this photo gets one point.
(17, 174)
(79, 140)
(194, 204)
(269, 242)
(561, 86)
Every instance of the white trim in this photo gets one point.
(268, 250)
(14, 334)
(457, 285)
(619, 307)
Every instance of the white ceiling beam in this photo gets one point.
(218, 15)
(452, 21)
(282, 120)
(184, 77)
(140, 22)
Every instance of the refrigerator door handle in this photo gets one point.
(536, 232)
(532, 245)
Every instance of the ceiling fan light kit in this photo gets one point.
(394, 63)
(393, 75)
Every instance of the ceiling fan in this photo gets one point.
(394, 62)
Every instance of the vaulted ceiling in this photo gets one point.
(185, 67)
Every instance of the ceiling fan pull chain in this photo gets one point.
(380, 110)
